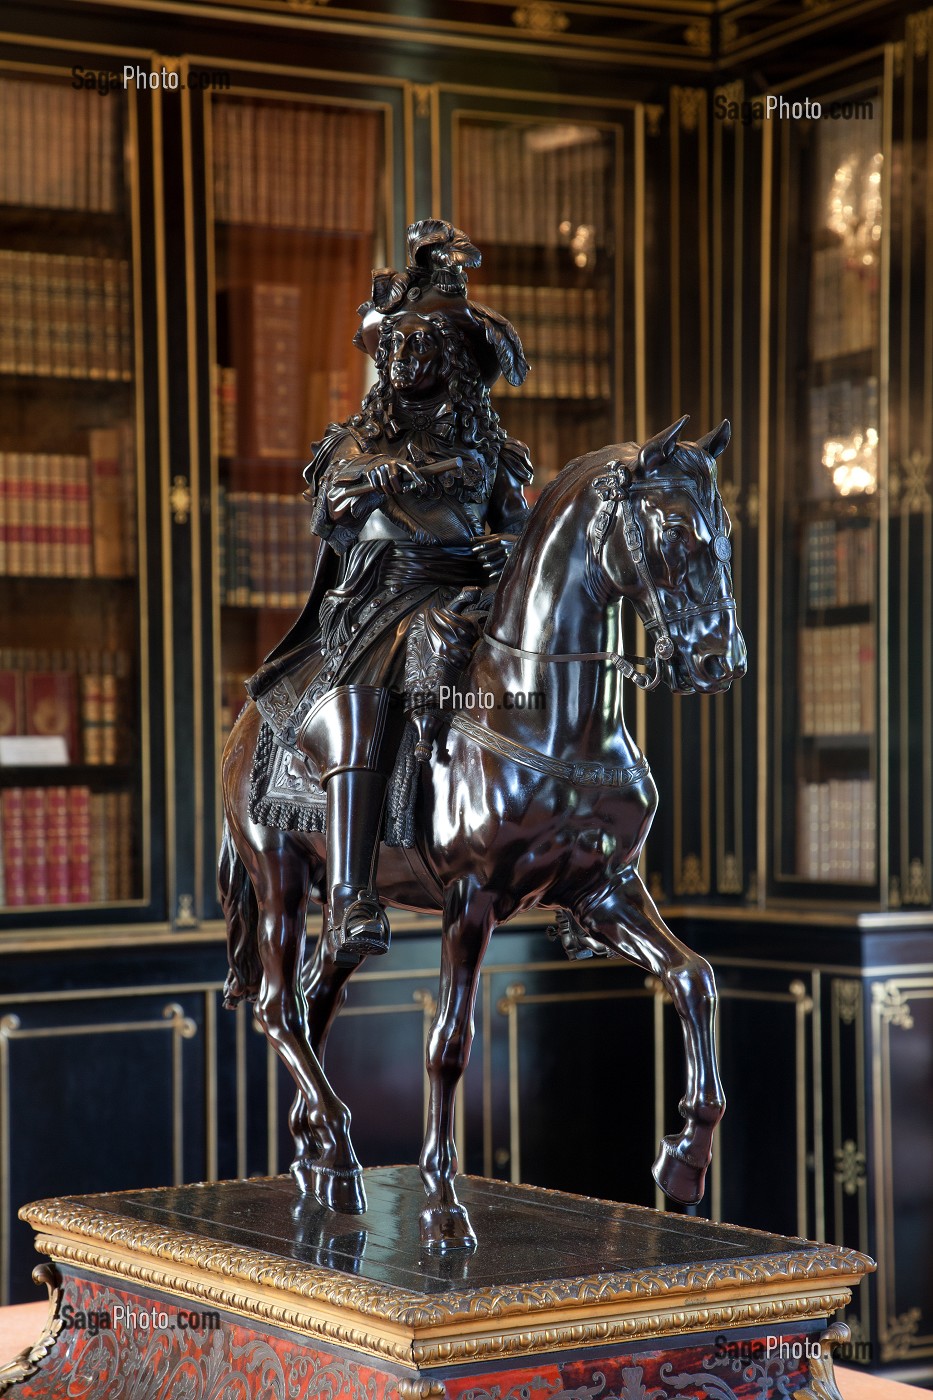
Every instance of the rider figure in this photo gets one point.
(414, 499)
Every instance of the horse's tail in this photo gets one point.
(241, 912)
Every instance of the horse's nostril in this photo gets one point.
(713, 666)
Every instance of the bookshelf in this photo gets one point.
(538, 198)
(827, 598)
(71, 775)
(299, 222)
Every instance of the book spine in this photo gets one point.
(92, 718)
(58, 512)
(220, 112)
(34, 850)
(23, 297)
(124, 821)
(79, 846)
(98, 874)
(14, 514)
(43, 511)
(253, 519)
(14, 856)
(42, 314)
(11, 695)
(109, 715)
(51, 706)
(272, 553)
(7, 310)
(57, 846)
(81, 314)
(106, 489)
(243, 550)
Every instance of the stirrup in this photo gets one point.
(364, 930)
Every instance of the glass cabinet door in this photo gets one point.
(828, 471)
(540, 198)
(300, 220)
(74, 765)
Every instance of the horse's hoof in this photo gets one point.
(339, 1189)
(677, 1177)
(445, 1229)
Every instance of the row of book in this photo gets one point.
(844, 303)
(261, 324)
(837, 832)
(71, 516)
(836, 679)
(65, 316)
(294, 165)
(265, 557)
(82, 696)
(330, 399)
(543, 184)
(60, 146)
(567, 336)
(839, 563)
(65, 845)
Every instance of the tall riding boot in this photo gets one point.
(355, 799)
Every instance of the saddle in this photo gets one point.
(284, 790)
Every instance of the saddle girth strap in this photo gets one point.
(580, 774)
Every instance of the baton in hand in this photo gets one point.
(447, 464)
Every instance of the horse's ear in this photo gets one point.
(716, 442)
(659, 448)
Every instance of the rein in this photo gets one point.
(625, 664)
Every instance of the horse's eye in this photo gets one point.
(674, 534)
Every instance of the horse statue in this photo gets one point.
(519, 808)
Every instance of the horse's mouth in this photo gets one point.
(681, 679)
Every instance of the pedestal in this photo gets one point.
(244, 1290)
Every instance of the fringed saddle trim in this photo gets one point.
(308, 812)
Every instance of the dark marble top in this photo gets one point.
(524, 1235)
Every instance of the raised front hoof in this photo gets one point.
(337, 1189)
(677, 1177)
(445, 1229)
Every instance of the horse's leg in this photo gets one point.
(281, 881)
(626, 919)
(468, 923)
(324, 984)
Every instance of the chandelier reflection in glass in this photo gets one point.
(854, 208)
(854, 216)
(853, 462)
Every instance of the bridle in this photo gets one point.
(617, 489)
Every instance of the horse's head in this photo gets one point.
(661, 538)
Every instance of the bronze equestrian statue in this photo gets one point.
(417, 508)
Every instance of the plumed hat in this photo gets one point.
(433, 284)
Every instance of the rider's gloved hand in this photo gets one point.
(493, 552)
(392, 478)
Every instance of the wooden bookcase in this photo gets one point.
(831, 497)
(74, 817)
(540, 198)
(299, 220)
